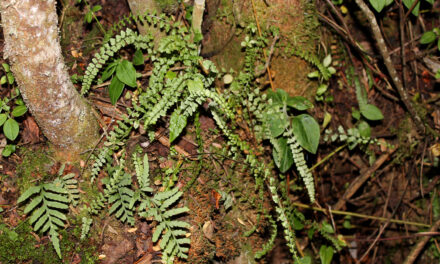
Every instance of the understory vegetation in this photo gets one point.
(200, 164)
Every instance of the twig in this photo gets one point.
(359, 181)
(264, 50)
(377, 218)
(390, 66)
(419, 246)
(266, 65)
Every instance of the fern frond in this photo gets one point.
(48, 204)
(300, 163)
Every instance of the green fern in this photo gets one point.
(172, 232)
(48, 203)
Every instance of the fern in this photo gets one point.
(172, 232)
(300, 163)
(314, 60)
(48, 203)
(271, 241)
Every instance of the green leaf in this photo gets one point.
(279, 97)
(428, 37)
(37, 214)
(11, 78)
(6, 67)
(327, 60)
(111, 68)
(8, 150)
(88, 17)
(19, 111)
(306, 130)
(158, 231)
(283, 156)
(364, 129)
(177, 124)
(55, 241)
(56, 197)
(305, 260)
(409, 3)
(10, 129)
(3, 118)
(96, 8)
(195, 85)
(326, 254)
(371, 112)
(299, 102)
(378, 5)
(57, 205)
(326, 227)
(170, 75)
(126, 73)
(28, 193)
(138, 58)
(34, 202)
(115, 89)
(276, 122)
(3, 80)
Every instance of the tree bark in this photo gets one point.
(33, 49)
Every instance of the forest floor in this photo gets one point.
(381, 201)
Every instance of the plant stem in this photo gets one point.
(381, 219)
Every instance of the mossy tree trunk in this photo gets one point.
(33, 49)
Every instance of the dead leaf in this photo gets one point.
(31, 131)
(208, 230)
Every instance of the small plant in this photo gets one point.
(322, 78)
(8, 113)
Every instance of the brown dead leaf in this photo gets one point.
(31, 131)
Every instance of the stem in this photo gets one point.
(381, 219)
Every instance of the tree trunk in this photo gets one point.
(33, 49)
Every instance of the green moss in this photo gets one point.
(35, 167)
(20, 246)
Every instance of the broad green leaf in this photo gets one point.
(3, 118)
(326, 254)
(364, 129)
(37, 214)
(10, 77)
(297, 225)
(126, 73)
(314, 74)
(88, 17)
(28, 193)
(282, 155)
(378, 5)
(409, 3)
(3, 80)
(57, 205)
(306, 130)
(40, 222)
(115, 89)
(321, 89)
(276, 122)
(428, 37)
(371, 112)
(299, 102)
(19, 111)
(138, 58)
(177, 124)
(10, 129)
(279, 97)
(356, 114)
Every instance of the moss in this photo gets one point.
(35, 167)
(20, 246)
